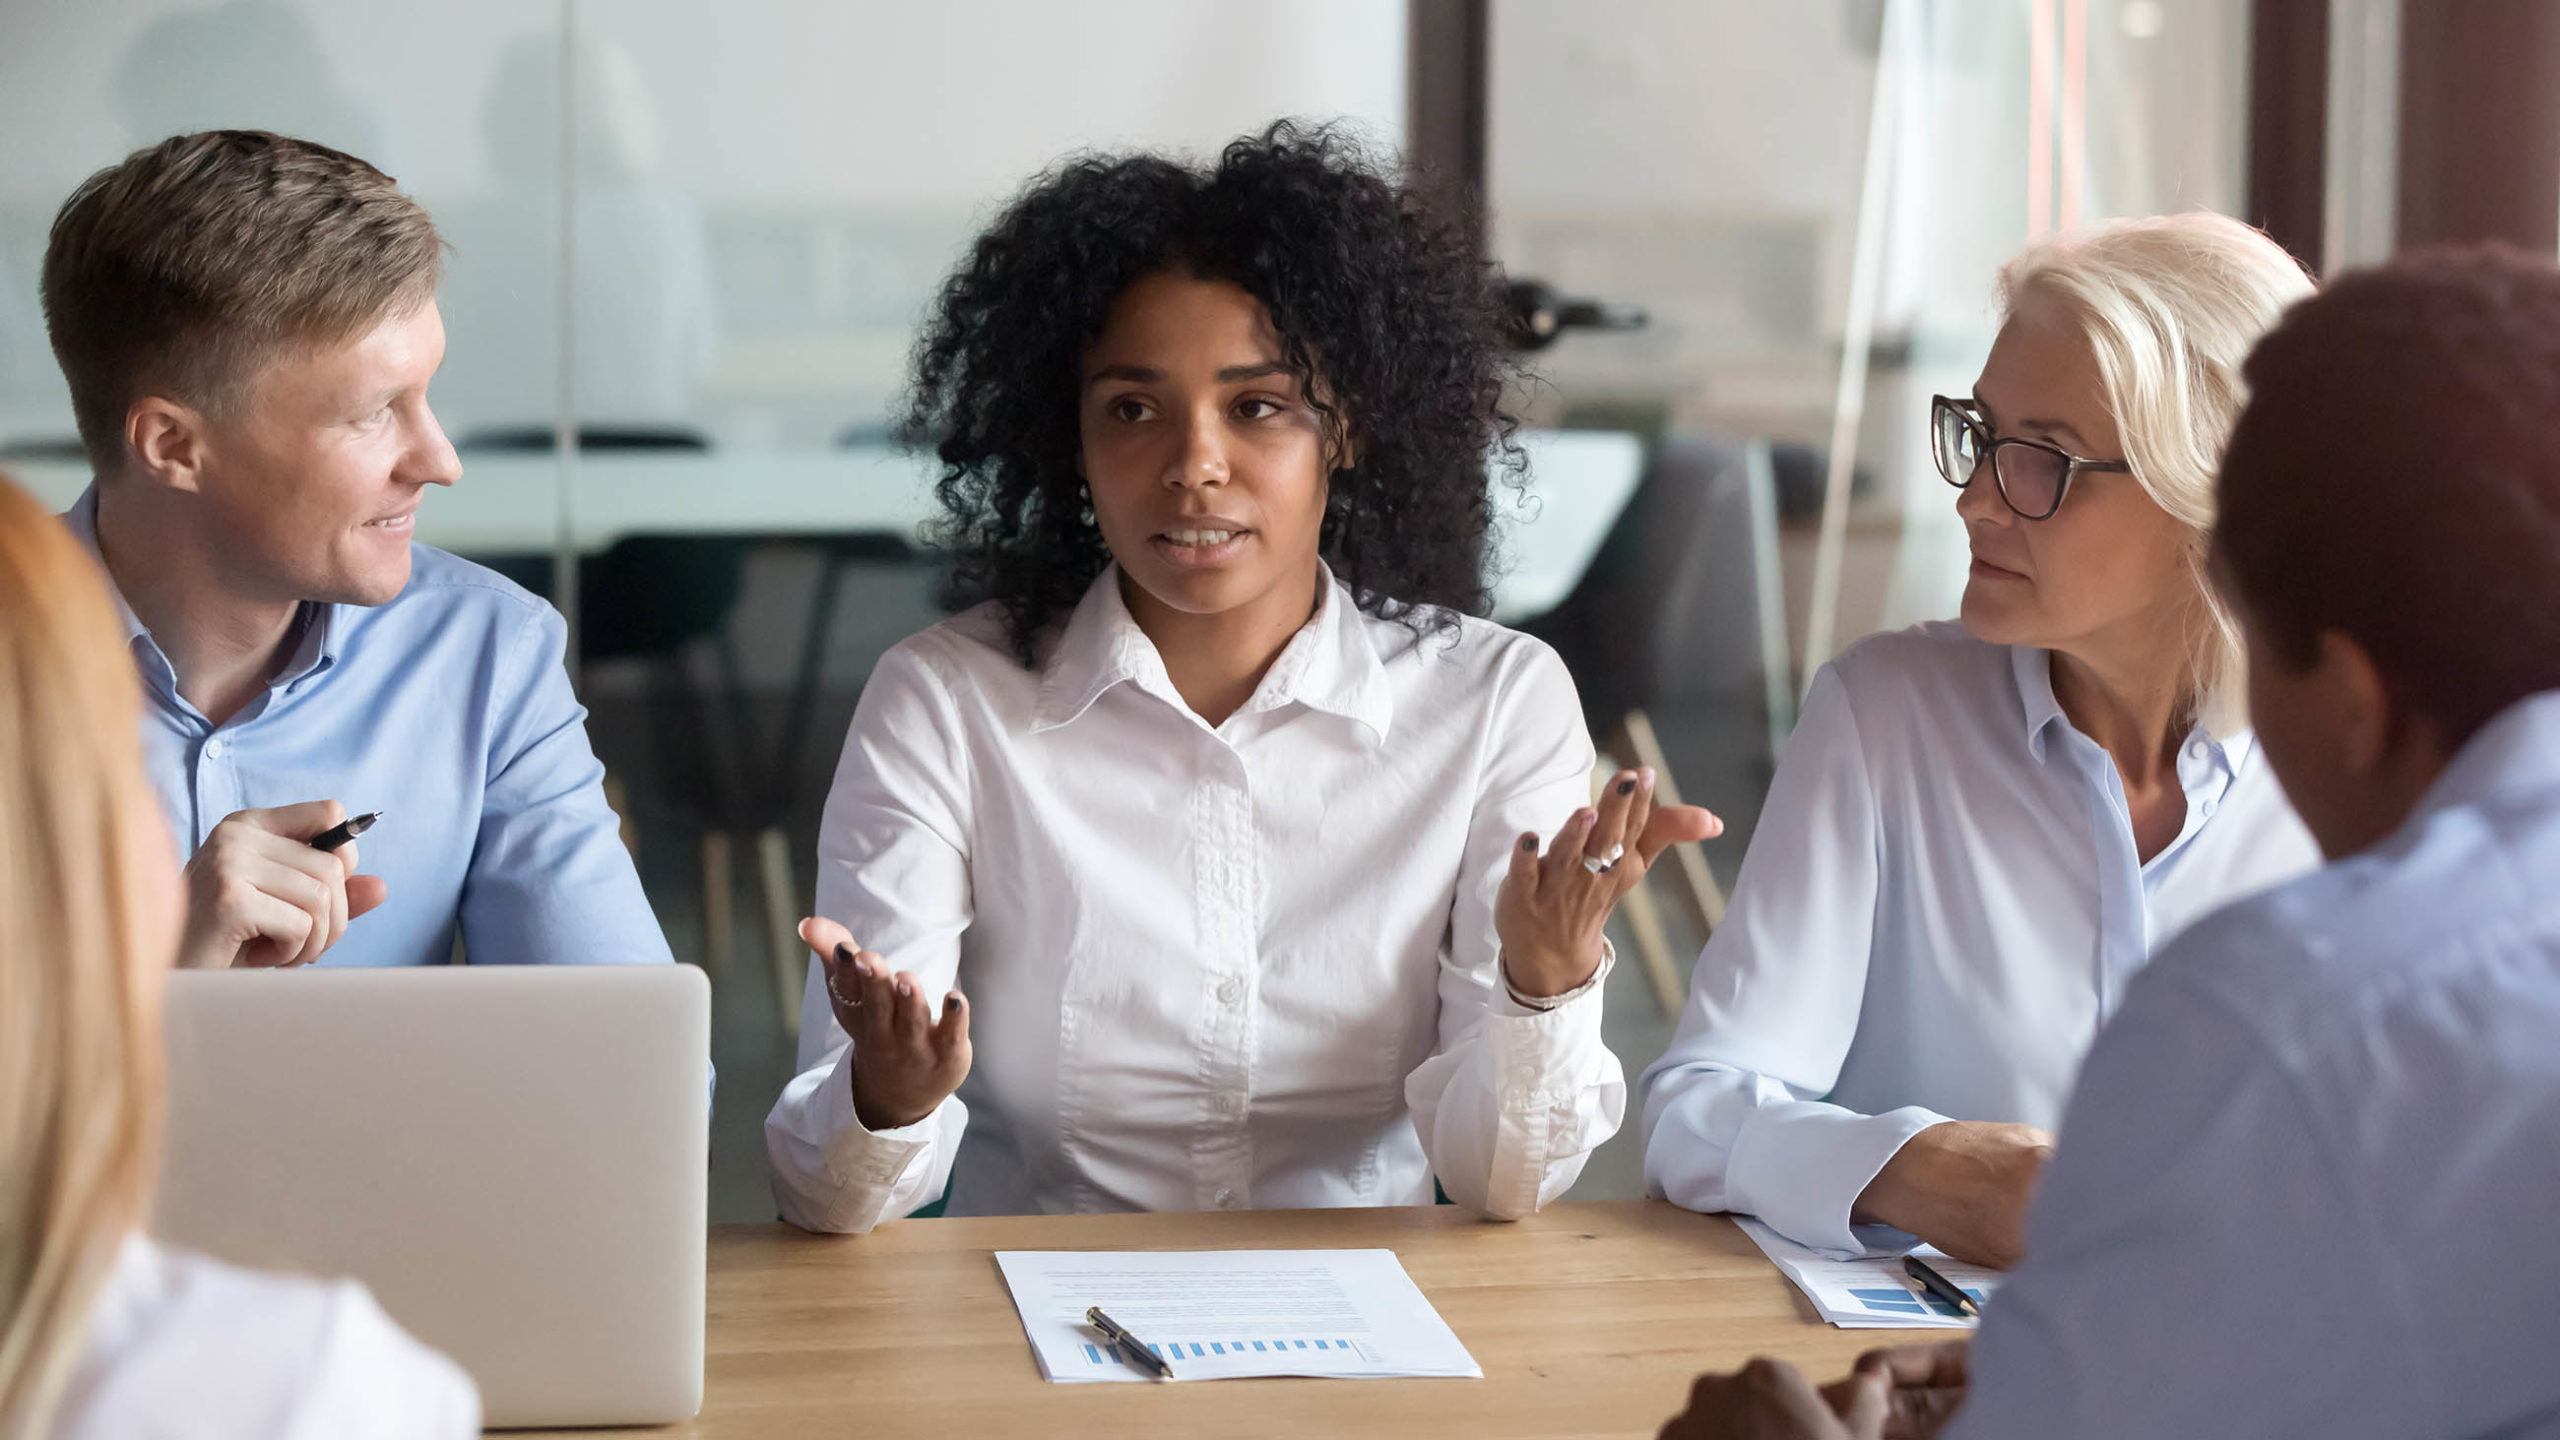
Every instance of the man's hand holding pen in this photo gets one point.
(260, 893)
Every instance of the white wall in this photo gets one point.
(770, 188)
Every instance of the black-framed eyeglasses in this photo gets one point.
(2032, 476)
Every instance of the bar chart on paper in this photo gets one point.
(1870, 1292)
(1230, 1314)
(1912, 1303)
(1207, 1349)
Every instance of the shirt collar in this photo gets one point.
(2033, 668)
(1329, 665)
(2517, 751)
(315, 648)
(82, 521)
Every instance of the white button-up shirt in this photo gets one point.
(1942, 903)
(1251, 965)
(180, 1345)
(2307, 1181)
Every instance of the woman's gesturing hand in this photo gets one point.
(904, 1061)
(1552, 907)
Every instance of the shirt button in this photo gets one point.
(1230, 1104)
(2207, 807)
(1230, 991)
(2197, 749)
(213, 748)
(1226, 1200)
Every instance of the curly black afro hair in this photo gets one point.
(1392, 322)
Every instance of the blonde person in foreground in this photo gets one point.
(1222, 811)
(105, 1335)
(1980, 831)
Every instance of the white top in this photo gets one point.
(182, 1347)
(1942, 903)
(1253, 965)
(2307, 1185)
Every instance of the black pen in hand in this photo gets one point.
(345, 830)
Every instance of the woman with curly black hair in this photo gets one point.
(1221, 800)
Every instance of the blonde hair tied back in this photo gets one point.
(2171, 305)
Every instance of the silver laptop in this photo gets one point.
(512, 1158)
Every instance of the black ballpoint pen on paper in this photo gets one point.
(345, 830)
(1129, 1344)
(1940, 1286)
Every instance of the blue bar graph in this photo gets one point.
(1204, 1349)
(1910, 1302)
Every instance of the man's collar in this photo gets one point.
(315, 624)
(82, 521)
(2516, 752)
(1329, 665)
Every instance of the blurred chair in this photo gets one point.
(654, 598)
(1669, 611)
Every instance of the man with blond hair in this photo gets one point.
(248, 325)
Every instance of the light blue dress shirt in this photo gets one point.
(449, 710)
(1941, 905)
(2307, 1185)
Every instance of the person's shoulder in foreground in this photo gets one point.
(2309, 1147)
(185, 1346)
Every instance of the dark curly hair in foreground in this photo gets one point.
(1391, 322)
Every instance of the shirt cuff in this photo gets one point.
(1514, 1004)
(855, 1154)
(1801, 1168)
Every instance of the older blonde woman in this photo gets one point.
(102, 1332)
(1980, 830)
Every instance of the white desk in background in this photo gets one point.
(1578, 481)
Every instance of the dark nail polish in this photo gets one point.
(1529, 843)
(844, 954)
(1626, 787)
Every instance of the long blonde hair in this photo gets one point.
(79, 1001)
(2170, 306)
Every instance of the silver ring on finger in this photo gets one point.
(1602, 864)
(838, 995)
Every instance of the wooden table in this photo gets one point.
(1589, 1320)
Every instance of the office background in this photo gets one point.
(691, 242)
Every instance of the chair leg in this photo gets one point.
(1698, 889)
(617, 797)
(1653, 948)
(719, 918)
(782, 927)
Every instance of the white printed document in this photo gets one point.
(1872, 1292)
(1226, 1314)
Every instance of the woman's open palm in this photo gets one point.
(905, 1061)
(1553, 907)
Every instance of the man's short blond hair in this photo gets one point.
(181, 271)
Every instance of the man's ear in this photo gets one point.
(2370, 725)
(165, 441)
